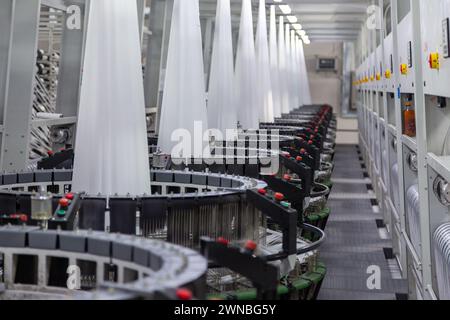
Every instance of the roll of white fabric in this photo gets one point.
(111, 152)
(441, 243)
(395, 186)
(385, 165)
(413, 216)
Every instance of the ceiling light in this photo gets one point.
(292, 19)
(297, 26)
(285, 8)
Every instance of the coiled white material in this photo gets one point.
(413, 216)
(222, 113)
(376, 145)
(274, 68)
(385, 169)
(111, 153)
(263, 66)
(245, 73)
(395, 186)
(441, 241)
(184, 114)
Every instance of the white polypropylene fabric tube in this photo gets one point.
(307, 100)
(222, 113)
(263, 66)
(274, 68)
(300, 72)
(245, 73)
(282, 64)
(184, 115)
(295, 71)
(111, 152)
(289, 69)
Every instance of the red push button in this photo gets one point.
(223, 241)
(251, 245)
(64, 203)
(279, 196)
(184, 294)
(70, 196)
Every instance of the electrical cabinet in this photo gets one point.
(405, 55)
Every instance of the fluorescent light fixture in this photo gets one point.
(285, 8)
(297, 26)
(292, 19)
(301, 33)
(305, 39)
(277, 0)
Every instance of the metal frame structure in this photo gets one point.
(424, 86)
(18, 46)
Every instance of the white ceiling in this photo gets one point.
(330, 19)
(323, 20)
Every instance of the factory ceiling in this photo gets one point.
(323, 20)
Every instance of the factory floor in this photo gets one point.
(355, 244)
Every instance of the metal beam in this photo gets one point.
(71, 65)
(55, 4)
(141, 4)
(154, 53)
(6, 13)
(19, 100)
(422, 150)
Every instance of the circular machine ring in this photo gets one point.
(184, 206)
(157, 267)
(320, 235)
(319, 190)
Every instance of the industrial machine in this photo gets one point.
(277, 220)
(403, 94)
(246, 221)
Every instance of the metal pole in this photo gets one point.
(399, 126)
(422, 149)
